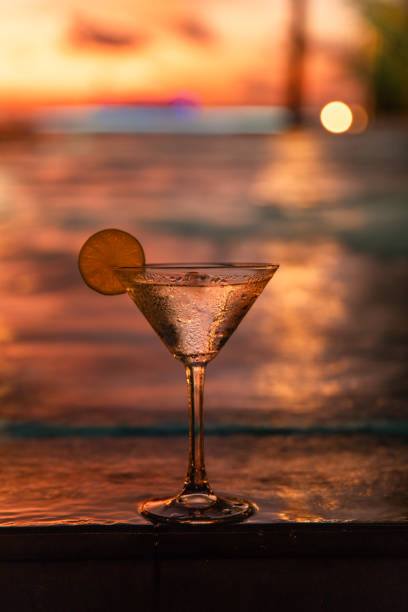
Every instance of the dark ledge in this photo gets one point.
(328, 567)
(245, 540)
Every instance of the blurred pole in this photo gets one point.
(297, 49)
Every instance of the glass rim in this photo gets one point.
(201, 266)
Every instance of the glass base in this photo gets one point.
(197, 509)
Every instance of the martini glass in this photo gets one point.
(194, 309)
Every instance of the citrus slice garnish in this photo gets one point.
(102, 252)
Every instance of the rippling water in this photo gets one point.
(313, 383)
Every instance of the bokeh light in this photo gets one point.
(336, 117)
(360, 119)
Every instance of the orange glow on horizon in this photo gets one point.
(222, 54)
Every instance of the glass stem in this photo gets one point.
(196, 480)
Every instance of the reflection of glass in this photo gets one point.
(194, 308)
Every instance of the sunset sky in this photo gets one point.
(215, 51)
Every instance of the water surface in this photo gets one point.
(306, 403)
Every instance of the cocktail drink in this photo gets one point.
(194, 309)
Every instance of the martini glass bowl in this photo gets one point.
(194, 309)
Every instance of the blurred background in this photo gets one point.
(252, 130)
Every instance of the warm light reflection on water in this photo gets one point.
(325, 343)
(298, 173)
(307, 312)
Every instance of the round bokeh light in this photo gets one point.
(336, 117)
